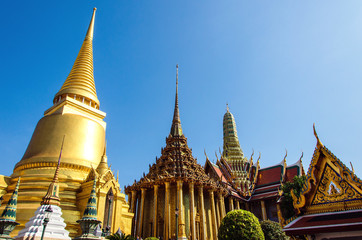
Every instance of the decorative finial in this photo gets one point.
(352, 167)
(176, 74)
(300, 159)
(259, 156)
(319, 143)
(286, 154)
(205, 154)
(227, 107)
(90, 31)
(176, 129)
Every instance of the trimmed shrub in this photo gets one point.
(240, 224)
(117, 236)
(273, 231)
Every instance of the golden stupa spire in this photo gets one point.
(103, 165)
(80, 82)
(52, 195)
(176, 129)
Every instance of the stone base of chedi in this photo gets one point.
(55, 228)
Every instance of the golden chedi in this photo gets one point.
(75, 114)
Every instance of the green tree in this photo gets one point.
(240, 224)
(273, 231)
(287, 200)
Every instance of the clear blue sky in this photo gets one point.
(281, 66)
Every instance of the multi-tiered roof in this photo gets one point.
(176, 161)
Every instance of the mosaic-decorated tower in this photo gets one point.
(8, 217)
(89, 221)
(233, 153)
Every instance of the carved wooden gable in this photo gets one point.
(333, 188)
(330, 185)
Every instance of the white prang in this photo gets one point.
(55, 228)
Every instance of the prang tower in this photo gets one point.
(233, 154)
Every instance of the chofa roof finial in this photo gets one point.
(319, 143)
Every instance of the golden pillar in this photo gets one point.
(140, 220)
(192, 211)
(129, 199)
(217, 213)
(133, 210)
(263, 210)
(213, 214)
(237, 204)
(231, 204)
(133, 203)
(167, 210)
(181, 227)
(221, 206)
(202, 213)
(155, 196)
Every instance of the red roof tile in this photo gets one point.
(269, 176)
(264, 195)
(326, 222)
(219, 173)
(291, 172)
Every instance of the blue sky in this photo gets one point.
(281, 66)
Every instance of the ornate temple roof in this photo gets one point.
(330, 200)
(176, 161)
(329, 186)
(80, 81)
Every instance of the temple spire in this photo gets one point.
(176, 129)
(80, 82)
(9, 212)
(103, 165)
(52, 195)
(88, 223)
(8, 217)
(90, 211)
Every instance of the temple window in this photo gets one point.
(107, 221)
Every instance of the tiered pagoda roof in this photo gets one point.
(176, 161)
